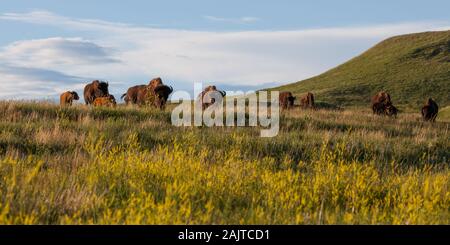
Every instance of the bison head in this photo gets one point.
(212, 96)
(112, 99)
(75, 95)
(162, 93)
(100, 88)
(104, 87)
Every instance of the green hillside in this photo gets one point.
(410, 67)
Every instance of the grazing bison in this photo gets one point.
(287, 100)
(157, 96)
(67, 98)
(95, 90)
(307, 101)
(430, 111)
(108, 101)
(161, 94)
(382, 105)
(379, 108)
(208, 96)
(391, 111)
(138, 94)
(380, 101)
(144, 95)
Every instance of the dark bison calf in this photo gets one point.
(287, 100)
(430, 111)
(391, 111)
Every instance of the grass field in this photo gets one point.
(444, 114)
(130, 166)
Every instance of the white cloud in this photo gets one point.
(43, 17)
(56, 51)
(34, 83)
(241, 20)
(245, 58)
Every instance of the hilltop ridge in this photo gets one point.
(410, 67)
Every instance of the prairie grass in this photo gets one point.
(131, 166)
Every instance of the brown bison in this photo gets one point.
(287, 100)
(382, 104)
(131, 96)
(138, 94)
(67, 98)
(430, 111)
(157, 97)
(108, 101)
(95, 90)
(307, 101)
(208, 96)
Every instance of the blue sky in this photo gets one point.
(49, 46)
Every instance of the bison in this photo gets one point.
(287, 100)
(381, 97)
(208, 96)
(67, 98)
(138, 94)
(380, 101)
(157, 97)
(379, 108)
(307, 101)
(382, 104)
(95, 90)
(390, 110)
(108, 101)
(430, 111)
(131, 96)
(161, 94)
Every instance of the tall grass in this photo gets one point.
(131, 166)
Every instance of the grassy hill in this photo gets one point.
(410, 67)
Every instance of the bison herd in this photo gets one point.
(156, 94)
(381, 105)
